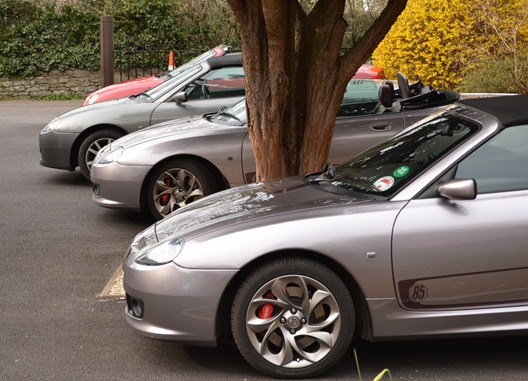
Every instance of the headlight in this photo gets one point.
(163, 252)
(109, 156)
(51, 125)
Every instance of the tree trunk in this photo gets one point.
(296, 77)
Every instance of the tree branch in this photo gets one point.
(351, 61)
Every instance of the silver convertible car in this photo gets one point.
(162, 168)
(421, 236)
(74, 138)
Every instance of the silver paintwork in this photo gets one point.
(424, 265)
(224, 148)
(461, 189)
(60, 140)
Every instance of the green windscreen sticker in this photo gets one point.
(401, 171)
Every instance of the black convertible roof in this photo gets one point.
(230, 59)
(510, 110)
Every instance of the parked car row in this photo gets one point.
(139, 85)
(205, 84)
(136, 86)
(74, 138)
(397, 237)
(167, 166)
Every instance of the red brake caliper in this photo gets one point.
(165, 197)
(267, 309)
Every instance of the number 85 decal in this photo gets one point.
(418, 293)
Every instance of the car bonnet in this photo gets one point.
(280, 199)
(97, 107)
(174, 128)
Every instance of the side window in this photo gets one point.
(219, 83)
(501, 164)
(361, 98)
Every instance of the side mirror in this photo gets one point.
(459, 189)
(180, 97)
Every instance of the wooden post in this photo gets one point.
(107, 50)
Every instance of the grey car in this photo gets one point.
(421, 236)
(74, 138)
(167, 166)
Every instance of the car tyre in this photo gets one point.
(92, 145)
(293, 318)
(176, 183)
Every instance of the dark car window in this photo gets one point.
(224, 82)
(387, 167)
(361, 98)
(501, 164)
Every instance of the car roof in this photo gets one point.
(230, 59)
(510, 110)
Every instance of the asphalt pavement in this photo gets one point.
(58, 251)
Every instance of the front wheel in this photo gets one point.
(177, 183)
(92, 145)
(293, 318)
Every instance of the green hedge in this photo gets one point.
(497, 76)
(42, 35)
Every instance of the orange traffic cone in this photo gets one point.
(171, 60)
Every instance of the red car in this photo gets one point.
(136, 86)
(370, 71)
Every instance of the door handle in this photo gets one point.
(381, 127)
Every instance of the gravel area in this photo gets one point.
(114, 287)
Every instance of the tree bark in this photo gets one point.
(296, 77)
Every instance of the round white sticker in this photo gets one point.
(384, 183)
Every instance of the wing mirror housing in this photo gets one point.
(180, 97)
(459, 189)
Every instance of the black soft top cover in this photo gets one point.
(510, 110)
(230, 59)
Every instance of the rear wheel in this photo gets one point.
(176, 183)
(293, 318)
(92, 145)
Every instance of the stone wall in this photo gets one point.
(71, 82)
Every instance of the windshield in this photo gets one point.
(236, 113)
(182, 76)
(195, 61)
(360, 98)
(385, 168)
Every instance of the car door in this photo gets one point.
(457, 254)
(355, 134)
(221, 87)
(351, 135)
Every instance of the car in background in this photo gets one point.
(139, 85)
(74, 138)
(370, 71)
(421, 236)
(136, 86)
(162, 168)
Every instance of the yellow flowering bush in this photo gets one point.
(439, 41)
